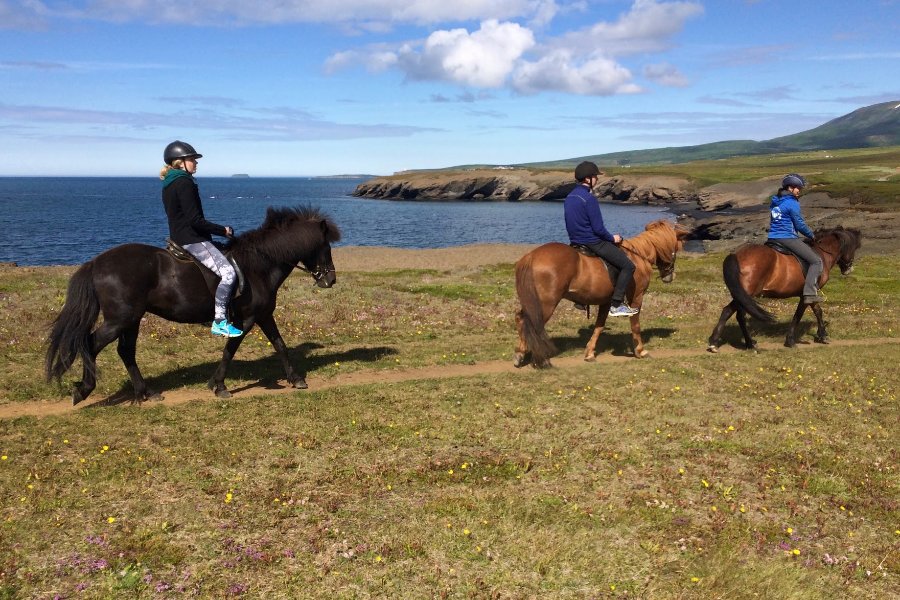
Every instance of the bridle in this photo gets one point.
(669, 269)
(318, 274)
(836, 256)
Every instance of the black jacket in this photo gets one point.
(187, 225)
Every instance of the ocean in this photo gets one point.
(69, 220)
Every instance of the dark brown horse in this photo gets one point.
(130, 280)
(758, 270)
(555, 271)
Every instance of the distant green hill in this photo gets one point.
(873, 126)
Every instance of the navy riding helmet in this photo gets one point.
(586, 169)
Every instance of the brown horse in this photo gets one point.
(758, 270)
(555, 271)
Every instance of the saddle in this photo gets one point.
(781, 249)
(211, 278)
(610, 268)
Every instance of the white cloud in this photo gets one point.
(647, 27)
(558, 71)
(665, 74)
(205, 12)
(507, 53)
(483, 58)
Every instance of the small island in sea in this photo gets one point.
(241, 175)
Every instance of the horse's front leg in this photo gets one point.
(270, 329)
(716, 336)
(790, 341)
(590, 350)
(637, 343)
(821, 334)
(217, 381)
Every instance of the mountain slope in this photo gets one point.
(872, 126)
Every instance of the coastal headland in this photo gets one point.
(722, 215)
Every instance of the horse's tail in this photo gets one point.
(731, 271)
(533, 330)
(70, 335)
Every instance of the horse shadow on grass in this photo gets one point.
(732, 336)
(618, 343)
(261, 373)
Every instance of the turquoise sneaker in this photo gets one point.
(225, 329)
(623, 310)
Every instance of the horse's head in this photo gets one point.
(319, 264)
(668, 241)
(292, 237)
(847, 242)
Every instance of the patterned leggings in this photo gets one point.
(215, 261)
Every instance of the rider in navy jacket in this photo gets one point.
(584, 223)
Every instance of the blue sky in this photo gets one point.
(322, 87)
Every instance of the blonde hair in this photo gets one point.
(176, 164)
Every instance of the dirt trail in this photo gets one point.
(176, 397)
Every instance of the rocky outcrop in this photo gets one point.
(722, 215)
(510, 185)
(520, 185)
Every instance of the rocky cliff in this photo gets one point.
(519, 185)
(722, 215)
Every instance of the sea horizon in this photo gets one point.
(62, 220)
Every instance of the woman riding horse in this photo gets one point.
(757, 270)
(130, 280)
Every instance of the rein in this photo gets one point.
(835, 256)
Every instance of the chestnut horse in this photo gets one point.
(125, 282)
(555, 271)
(758, 270)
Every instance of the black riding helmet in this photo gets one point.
(586, 169)
(179, 149)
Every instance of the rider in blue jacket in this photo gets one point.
(784, 224)
(584, 223)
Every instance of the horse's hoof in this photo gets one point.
(789, 343)
(590, 358)
(712, 348)
(223, 393)
(642, 354)
(76, 398)
(822, 340)
(300, 384)
(519, 361)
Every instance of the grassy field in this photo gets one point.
(685, 475)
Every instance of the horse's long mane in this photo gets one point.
(658, 234)
(850, 239)
(285, 235)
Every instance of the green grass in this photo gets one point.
(695, 476)
(868, 176)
